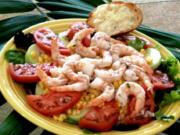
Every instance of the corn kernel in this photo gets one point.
(93, 96)
(62, 117)
(116, 84)
(78, 111)
(55, 117)
(69, 111)
(74, 112)
(40, 60)
(33, 54)
(149, 60)
(79, 105)
(142, 51)
(120, 82)
(87, 98)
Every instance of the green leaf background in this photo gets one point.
(12, 6)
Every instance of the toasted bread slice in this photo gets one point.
(115, 18)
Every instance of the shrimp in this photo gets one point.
(79, 47)
(110, 75)
(123, 50)
(98, 83)
(143, 76)
(130, 75)
(106, 96)
(81, 84)
(49, 81)
(85, 66)
(56, 56)
(103, 40)
(116, 65)
(106, 61)
(131, 88)
(137, 60)
(69, 70)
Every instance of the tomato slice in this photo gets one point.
(101, 119)
(140, 120)
(161, 81)
(53, 103)
(43, 38)
(76, 27)
(26, 73)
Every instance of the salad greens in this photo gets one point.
(168, 98)
(138, 44)
(15, 56)
(161, 116)
(171, 67)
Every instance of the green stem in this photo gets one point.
(40, 11)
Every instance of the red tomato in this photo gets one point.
(43, 38)
(87, 41)
(101, 119)
(76, 27)
(140, 120)
(161, 81)
(53, 103)
(25, 73)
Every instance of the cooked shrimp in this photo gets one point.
(103, 40)
(79, 47)
(98, 84)
(123, 50)
(56, 56)
(69, 69)
(131, 88)
(130, 75)
(137, 60)
(110, 75)
(55, 71)
(143, 76)
(50, 81)
(85, 66)
(74, 57)
(106, 61)
(116, 65)
(106, 96)
(81, 84)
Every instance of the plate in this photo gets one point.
(16, 96)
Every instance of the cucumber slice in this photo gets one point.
(32, 54)
(63, 37)
(74, 119)
(155, 56)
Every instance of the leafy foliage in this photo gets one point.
(12, 6)
(12, 25)
(55, 6)
(138, 44)
(171, 66)
(15, 56)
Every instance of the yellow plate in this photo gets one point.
(16, 96)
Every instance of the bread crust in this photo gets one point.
(115, 18)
